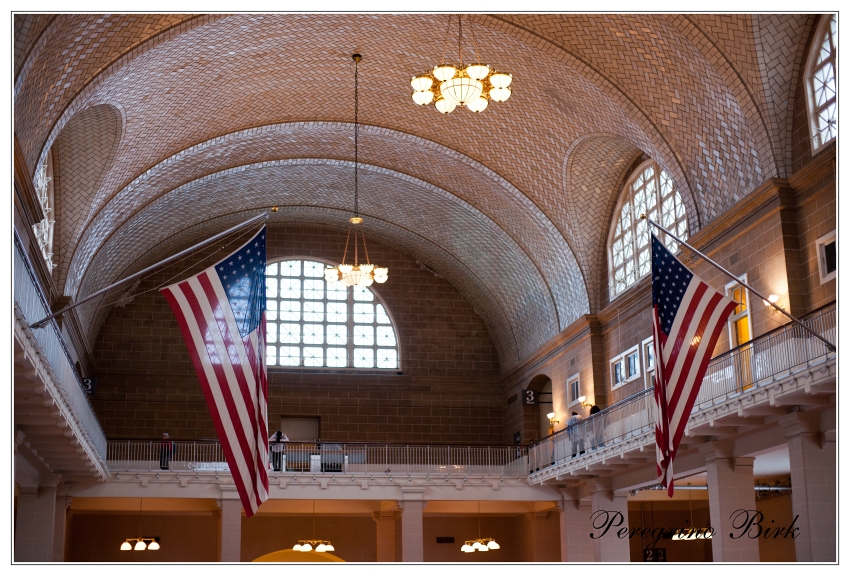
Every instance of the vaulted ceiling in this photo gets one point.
(166, 128)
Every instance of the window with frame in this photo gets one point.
(649, 191)
(575, 390)
(821, 82)
(625, 367)
(648, 362)
(740, 329)
(827, 257)
(312, 323)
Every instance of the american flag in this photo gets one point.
(221, 312)
(687, 319)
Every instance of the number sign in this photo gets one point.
(655, 554)
(529, 398)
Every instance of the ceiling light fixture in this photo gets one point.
(480, 544)
(142, 542)
(449, 86)
(313, 545)
(356, 274)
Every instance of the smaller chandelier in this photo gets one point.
(480, 545)
(449, 86)
(356, 274)
(140, 544)
(314, 546)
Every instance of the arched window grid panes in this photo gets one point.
(311, 323)
(649, 191)
(820, 84)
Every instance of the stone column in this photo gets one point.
(412, 541)
(231, 524)
(36, 517)
(812, 454)
(576, 544)
(731, 501)
(613, 506)
(385, 522)
(63, 502)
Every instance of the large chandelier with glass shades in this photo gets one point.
(356, 274)
(480, 544)
(449, 86)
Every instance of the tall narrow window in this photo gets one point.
(649, 191)
(820, 83)
(740, 331)
(312, 323)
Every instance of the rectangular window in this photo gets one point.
(740, 331)
(827, 257)
(575, 390)
(648, 363)
(625, 367)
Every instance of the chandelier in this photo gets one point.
(140, 543)
(356, 274)
(480, 544)
(458, 85)
(313, 544)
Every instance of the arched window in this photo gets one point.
(820, 83)
(312, 323)
(650, 191)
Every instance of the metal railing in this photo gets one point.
(31, 305)
(135, 455)
(750, 365)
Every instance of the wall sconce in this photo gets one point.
(772, 299)
(551, 417)
(583, 401)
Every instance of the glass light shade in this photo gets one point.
(126, 546)
(483, 548)
(367, 267)
(492, 545)
(461, 89)
(153, 545)
(444, 106)
(477, 71)
(331, 275)
(501, 80)
(366, 280)
(476, 545)
(140, 545)
(345, 268)
(297, 547)
(467, 548)
(306, 547)
(421, 83)
(500, 94)
(321, 548)
(423, 98)
(346, 280)
(444, 72)
(550, 415)
(477, 104)
(329, 547)
(355, 275)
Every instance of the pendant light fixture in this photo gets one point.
(692, 533)
(480, 544)
(356, 274)
(312, 544)
(451, 85)
(142, 542)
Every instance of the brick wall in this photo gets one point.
(446, 394)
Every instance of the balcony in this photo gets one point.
(51, 408)
(312, 458)
(782, 367)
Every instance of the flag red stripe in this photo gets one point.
(691, 351)
(230, 406)
(679, 337)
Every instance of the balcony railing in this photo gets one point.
(751, 365)
(32, 305)
(137, 456)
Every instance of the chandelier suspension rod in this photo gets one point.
(43, 321)
(357, 58)
(459, 40)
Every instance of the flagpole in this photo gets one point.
(829, 345)
(44, 320)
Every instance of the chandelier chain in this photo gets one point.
(356, 133)
(459, 40)
(363, 236)
(345, 252)
(446, 39)
(474, 44)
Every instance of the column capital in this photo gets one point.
(740, 463)
(385, 516)
(49, 480)
(797, 423)
(718, 449)
(228, 492)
